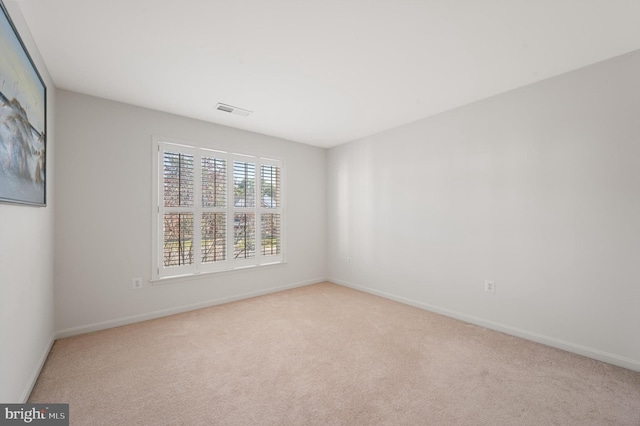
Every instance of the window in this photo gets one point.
(214, 210)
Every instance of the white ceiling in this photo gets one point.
(321, 72)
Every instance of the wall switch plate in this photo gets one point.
(489, 286)
(137, 283)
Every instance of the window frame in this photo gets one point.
(159, 271)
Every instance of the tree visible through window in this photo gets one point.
(178, 192)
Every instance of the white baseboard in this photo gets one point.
(596, 354)
(176, 310)
(36, 372)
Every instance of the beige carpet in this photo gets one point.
(327, 355)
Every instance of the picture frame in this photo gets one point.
(23, 121)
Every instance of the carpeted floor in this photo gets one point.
(327, 355)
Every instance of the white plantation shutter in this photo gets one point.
(271, 210)
(244, 183)
(216, 211)
(213, 210)
(244, 206)
(177, 209)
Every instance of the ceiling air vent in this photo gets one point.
(232, 109)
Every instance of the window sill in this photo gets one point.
(188, 277)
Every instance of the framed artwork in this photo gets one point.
(23, 121)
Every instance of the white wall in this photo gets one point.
(537, 189)
(26, 267)
(103, 214)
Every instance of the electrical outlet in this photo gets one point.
(489, 286)
(137, 283)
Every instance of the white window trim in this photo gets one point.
(159, 272)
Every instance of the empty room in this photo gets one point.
(279, 212)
